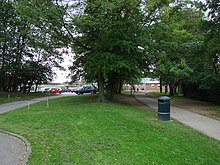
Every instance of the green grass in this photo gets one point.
(6, 97)
(217, 111)
(77, 130)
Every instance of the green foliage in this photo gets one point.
(106, 37)
(172, 40)
(109, 35)
(205, 58)
(31, 34)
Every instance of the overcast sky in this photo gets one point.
(62, 75)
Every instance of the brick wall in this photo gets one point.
(149, 86)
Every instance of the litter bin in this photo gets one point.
(164, 108)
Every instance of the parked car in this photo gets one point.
(70, 90)
(64, 89)
(46, 90)
(86, 89)
(55, 90)
(40, 89)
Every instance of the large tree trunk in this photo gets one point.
(101, 96)
(118, 87)
(112, 81)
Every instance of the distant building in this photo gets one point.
(145, 84)
(150, 83)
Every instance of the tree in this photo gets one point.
(109, 33)
(31, 33)
(34, 73)
(12, 41)
(172, 38)
(206, 68)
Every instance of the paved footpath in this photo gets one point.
(14, 149)
(19, 104)
(203, 124)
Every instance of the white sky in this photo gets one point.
(62, 75)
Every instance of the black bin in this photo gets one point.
(164, 108)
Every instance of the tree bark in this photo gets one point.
(112, 81)
(119, 86)
(180, 89)
(36, 86)
(171, 85)
(30, 85)
(101, 96)
(161, 87)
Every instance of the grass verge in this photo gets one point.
(6, 97)
(77, 130)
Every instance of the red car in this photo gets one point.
(55, 90)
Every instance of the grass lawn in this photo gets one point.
(6, 97)
(77, 130)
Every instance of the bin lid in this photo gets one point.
(163, 98)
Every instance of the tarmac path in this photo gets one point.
(203, 124)
(13, 150)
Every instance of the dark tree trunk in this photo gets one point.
(14, 84)
(36, 86)
(171, 86)
(166, 89)
(25, 87)
(180, 88)
(161, 87)
(30, 85)
(119, 86)
(112, 81)
(101, 96)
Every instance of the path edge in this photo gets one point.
(27, 144)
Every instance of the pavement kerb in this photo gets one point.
(25, 141)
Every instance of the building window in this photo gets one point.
(152, 85)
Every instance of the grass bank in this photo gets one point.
(77, 130)
(6, 97)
